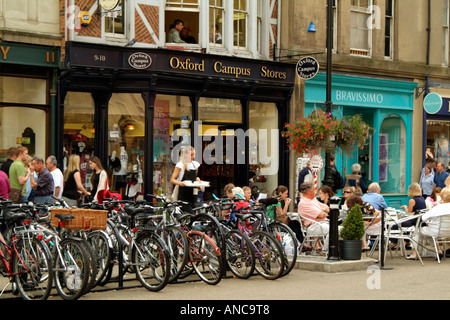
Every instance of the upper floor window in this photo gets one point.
(335, 25)
(240, 21)
(445, 32)
(389, 30)
(186, 11)
(115, 20)
(360, 34)
(216, 19)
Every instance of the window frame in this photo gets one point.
(390, 37)
(361, 11)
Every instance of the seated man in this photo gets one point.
(309, 207)
(374, 197)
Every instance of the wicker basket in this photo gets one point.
(85, 219)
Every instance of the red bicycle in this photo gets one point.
(25, 257)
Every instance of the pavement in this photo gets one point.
(400, 279)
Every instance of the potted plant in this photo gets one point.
(350, 245)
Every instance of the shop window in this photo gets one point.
(438, 133)
(23, 126)
(216, 19)
(219, 110)
(79, 131)
(389, 30)
(392, 155)
(188, 12)
(360, 34)
(240, 23)
(21, 122)
(172, 113)
(126, 132)
(115, 20)
(23, 90)
(263, 148)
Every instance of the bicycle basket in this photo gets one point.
(85, 219)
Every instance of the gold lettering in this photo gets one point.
(267, 73)
(5, 52)
(236, 71)
(175, 63)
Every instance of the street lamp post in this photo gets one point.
(333, 250)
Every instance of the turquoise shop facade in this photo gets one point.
(387, 106)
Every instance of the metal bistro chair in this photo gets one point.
(443, 236)
(312, 239)
(404, 233)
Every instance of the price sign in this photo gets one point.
(316, 163)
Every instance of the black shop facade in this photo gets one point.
(134, 108)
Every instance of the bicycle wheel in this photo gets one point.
(205, 257)
(268, 254)
(178, 246)
(288, 241)
(101, 244)
(32, 266)
(93, 265)
(151, 261)
(72, 268)
(240, 254)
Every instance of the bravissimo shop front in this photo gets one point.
(387, 106)
(126, 106)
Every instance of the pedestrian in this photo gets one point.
(427, 181)
(58, 178)
(305, 176)
(336, 179)
(44, 186)
(355, 179)
(5, 187)
(72, 180)
(440, 176)
(18, 174)
(11, 157)
(99, 178)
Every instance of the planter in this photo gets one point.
(350, 249)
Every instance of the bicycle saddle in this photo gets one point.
(64, 217)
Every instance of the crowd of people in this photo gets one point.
(25, 178)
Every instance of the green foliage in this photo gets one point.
(353, 227)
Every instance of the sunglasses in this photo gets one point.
(347, 192)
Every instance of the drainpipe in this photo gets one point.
(424, 148)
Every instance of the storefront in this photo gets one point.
(387, 106)
(123, 105)
(437, 128)
(28, 81)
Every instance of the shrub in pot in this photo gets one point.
(352, 231)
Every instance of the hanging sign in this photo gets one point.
(432, 103)
(316, 163)
(307, 68)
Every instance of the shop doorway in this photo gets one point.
(224, 158)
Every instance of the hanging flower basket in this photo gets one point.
(323, 131)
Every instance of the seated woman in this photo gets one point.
(278, 212)
(373, 226)
(325, 194)
(348, 192)
(434, 199)
(416, 203)
(431, 218)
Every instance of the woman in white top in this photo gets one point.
(431, 218)
(99, 178)
(186, 170)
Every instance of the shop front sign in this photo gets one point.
(432, 103)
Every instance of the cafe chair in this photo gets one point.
(312, 238)
(403, 233)
(442, 238)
